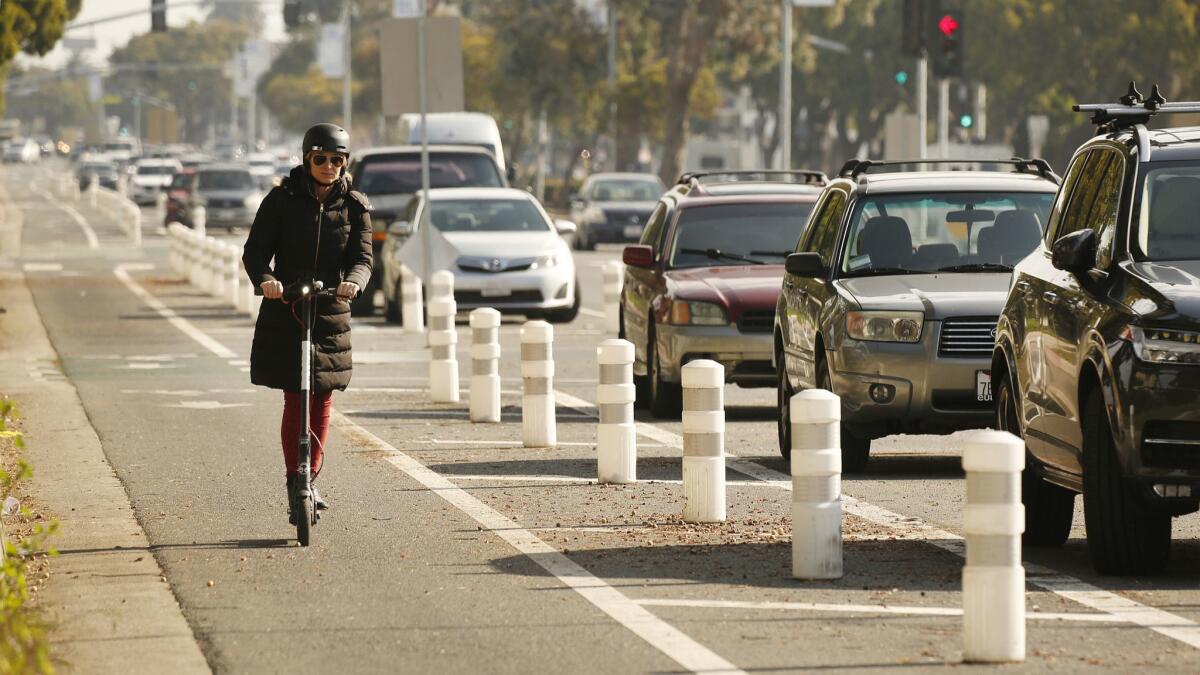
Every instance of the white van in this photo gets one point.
(460, 128)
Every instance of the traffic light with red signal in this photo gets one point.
(946, 44)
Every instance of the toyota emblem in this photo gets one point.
(495, 265)
(993, 333)
(635, 220)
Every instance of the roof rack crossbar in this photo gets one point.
(1131, 109)
(814, 177)
(856, 167)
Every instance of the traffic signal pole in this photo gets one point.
(943, 117)
(922, 104)
(785, 91)
(347, 107)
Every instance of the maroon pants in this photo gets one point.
(318, 423)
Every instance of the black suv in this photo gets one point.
(1097, 360)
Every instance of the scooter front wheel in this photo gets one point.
(304, 511)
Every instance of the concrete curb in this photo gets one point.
(112, 608)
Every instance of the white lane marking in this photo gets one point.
(658, 633)
(149, 366)
(517, 444)
(1160, 621)
(204, 405)
(864, 609)
(88, 232)
(452, 414)
(169, 314)
(502, 478)
(43, 267)
(587, 311)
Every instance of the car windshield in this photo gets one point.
(226, 180)
(487, 215)
(401, 173)
(155, 170)
(626, 190)
(1169, 217)
(737, 234)
(944, 232)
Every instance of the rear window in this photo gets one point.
(401, 173)
(226, 180)
(737, 234)
(626, 190)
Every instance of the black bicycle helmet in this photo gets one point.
(326, 137)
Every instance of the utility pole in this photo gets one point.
(423, 94)
(922, 104)
(785, 90)
(612, 85)
(347, 104)
(943, 117)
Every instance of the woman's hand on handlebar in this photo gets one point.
(347, 290)
(272, 290)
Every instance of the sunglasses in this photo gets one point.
(335, 160)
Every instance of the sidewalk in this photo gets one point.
(107, 597)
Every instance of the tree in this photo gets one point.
(57, 98)
(32, 27)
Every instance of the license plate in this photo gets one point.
(983, 385)
(495, 292)
(633, 231)
(224, 214)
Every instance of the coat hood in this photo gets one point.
(297, 183)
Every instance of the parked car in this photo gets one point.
(151, 177)
(390, 175)
(613, 207)
(891, 298)
(703, 280)
(510, 253)
(104, 171)
(22, 150)
(229, 193)
(1097, 359)
(180, 199)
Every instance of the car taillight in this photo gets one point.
(178, 194)
(379, 235)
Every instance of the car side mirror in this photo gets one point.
(565, 227)
(1075, 252)
(807, 265)
(400, 228)
(638, 255)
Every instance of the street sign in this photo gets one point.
(406, 9)
(398, 60)
(331, 50)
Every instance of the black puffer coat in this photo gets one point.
(285, 229)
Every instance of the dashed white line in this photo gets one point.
(908, 610)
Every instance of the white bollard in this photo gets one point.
(616, 434)
(199, 219)
(816, 418)
(412, 311)
(993, 520)
(443, 362)
(441, 285)
(135, 223)
(216, 276)
(233, 275)
(538, 429)
(703, 442)
(173, 248)
(160, 207)
(614, 282)
(93, 191)
(485, 365)
(195, 255)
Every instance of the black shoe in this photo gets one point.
(317, 501)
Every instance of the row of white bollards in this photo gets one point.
(212, 265)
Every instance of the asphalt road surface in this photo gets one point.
(451, 548)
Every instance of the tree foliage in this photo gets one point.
(32, 27)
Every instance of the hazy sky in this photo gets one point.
(114, 34)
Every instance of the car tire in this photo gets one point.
(1049, 508)
(641, 383)
(364, 304)
(568, 314)
(392, 312)
(856, 448)
(666, 398)
(1126, 535)
(783, 396)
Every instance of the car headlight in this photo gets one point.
(1158, 345)
(885, 326)
(693, 312)
(594, 214)
(545, 262)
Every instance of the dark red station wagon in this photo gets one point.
(703, 281)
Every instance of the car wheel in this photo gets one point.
(856, 448)
(391, 308)
(1125, 534)
(568, 314)
(666, 398)
(641, 383)
(783, 394)
(364, 304)
(1049, 508)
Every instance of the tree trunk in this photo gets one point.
(687, 42)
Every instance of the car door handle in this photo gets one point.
(1049, 296)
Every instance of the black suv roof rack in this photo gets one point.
(1131, 109)
(810, 177)
(856, 167)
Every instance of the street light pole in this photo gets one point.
(922, 104)
(785, 90)
(423, 95)
(347, 107)
(612, 85)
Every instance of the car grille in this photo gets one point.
(517, 297)
(756, 321)
(1171, 445)
(225, 204)
(968, 337)
(494, 265)
(626, 217)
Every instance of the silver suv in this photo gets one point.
(892, 296)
